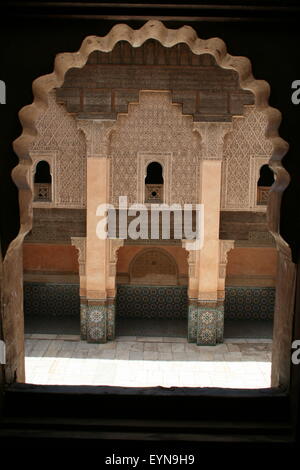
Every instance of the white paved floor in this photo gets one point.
(145, 362)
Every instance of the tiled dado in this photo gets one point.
(97, 320)
(205, 322)
(152, 301)
(83, 318)
(47, 299)
(249, 303)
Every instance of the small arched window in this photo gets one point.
(266, 179)
(154, 183)
(42, 182)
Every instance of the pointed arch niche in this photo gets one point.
(215, 47)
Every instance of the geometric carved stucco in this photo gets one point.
(57, 132)
(97, 134)
(153, 129)
(155, 125)
(114, 246)
(212, 138)
(242, 146)
(225, 247)
(191, 258)
(80, 245)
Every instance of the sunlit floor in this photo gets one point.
(134, 361)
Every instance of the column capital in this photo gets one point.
(225, 247)
(97, 133)
(114, 245)
(212, 138)
(80, 245)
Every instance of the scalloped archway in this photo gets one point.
(153, 29)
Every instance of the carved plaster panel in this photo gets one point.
(225, 247)
(97, 134)
(80, 245)
(114, 245)
(191, 258)
(212, 138)
(58, 133)
(154, 126)
(246, 143)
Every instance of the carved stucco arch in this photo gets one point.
(40, 159)
(155, 160)
(153, 29)
(159, 251)
(164, 174)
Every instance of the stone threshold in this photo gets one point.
(145, 339)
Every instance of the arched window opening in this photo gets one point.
(42, 182)
(266, 179)
(154, 183)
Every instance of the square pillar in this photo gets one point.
(206, 306)
(83, 319)
(220, 321)
(80, 245)
(192, 320)
(99, 313)
(96, 321)
(207, 324)
(97, 291)
(111, 319)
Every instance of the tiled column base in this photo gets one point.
(192, 321)
(205, 322)
(100, 320)
(111, 319)
(220, 321)
(83, 314)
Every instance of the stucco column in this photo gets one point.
(96, 256)
(206, 313)
(96, 263)
(80, 244)
(99, 307)
(225, 247)
(112, 257)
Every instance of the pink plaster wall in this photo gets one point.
(60, 258)
(252, 261)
